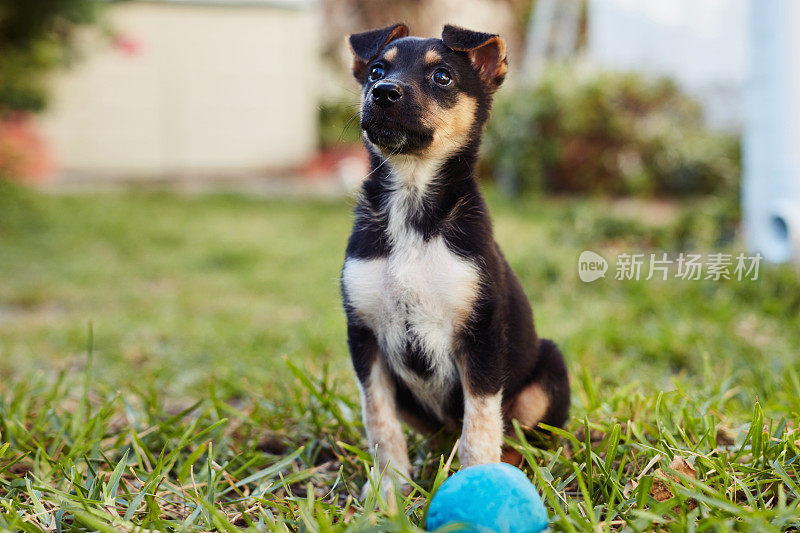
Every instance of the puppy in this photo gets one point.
(439, 329)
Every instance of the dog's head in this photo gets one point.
(427, 97)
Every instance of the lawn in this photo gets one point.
(177, 363)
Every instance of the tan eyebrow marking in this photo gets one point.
(431, 57)
(390, 54)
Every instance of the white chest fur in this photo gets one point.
(421, 293)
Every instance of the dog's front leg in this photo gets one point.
(379, 409)
(482, 430)
(384, 431)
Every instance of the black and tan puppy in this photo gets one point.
(440, 331)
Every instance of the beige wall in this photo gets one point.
(210, 90)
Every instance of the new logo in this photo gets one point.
(591, 266)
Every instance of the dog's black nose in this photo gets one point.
(385, 93)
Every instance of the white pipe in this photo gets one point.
(771, 143)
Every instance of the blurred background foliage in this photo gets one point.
(580, 130)
(339, 123)
(36, 36)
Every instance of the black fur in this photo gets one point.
(367, 45)
(463, 39)
(498, 342)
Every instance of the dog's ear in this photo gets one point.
(367, 45)
(486, 52)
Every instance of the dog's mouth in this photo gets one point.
(396, 137)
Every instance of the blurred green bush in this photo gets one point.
(583, 131)
(35, 37)
(338, 123)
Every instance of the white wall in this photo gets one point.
(703, 44)
(201, 89)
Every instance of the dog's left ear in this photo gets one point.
(368, 44)
(486, 51)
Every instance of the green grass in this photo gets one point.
(180, 364)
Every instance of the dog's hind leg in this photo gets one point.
(545, 398)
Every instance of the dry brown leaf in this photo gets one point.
(679, 464)
(660, 489)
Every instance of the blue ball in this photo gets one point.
(493, 497)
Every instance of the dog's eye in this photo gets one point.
(376, 73)
(442, 77)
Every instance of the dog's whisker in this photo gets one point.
(347, 125)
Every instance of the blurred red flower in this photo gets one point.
(23, 152)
